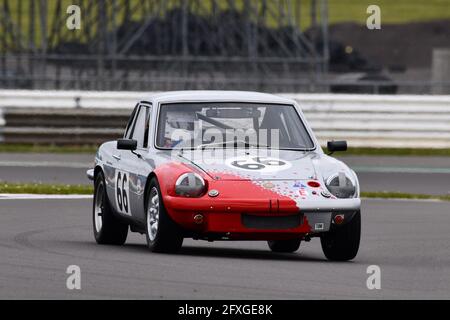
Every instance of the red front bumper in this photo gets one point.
(225, 216)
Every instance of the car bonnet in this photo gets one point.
(253, 164)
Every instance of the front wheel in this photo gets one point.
(108, 229)
(287, 246)
(162, 233)
(342, 242)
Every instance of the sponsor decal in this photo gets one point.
(303, 192)
(299, 185)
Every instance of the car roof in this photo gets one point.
(217, 95)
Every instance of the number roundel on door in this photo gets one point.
(122, 192)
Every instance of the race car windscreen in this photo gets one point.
(231, 125)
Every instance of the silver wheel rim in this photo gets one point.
(153, 214)
(98, 210)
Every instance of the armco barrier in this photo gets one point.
(363, 120)
(63, 125)
(379, 120)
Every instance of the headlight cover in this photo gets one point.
(190, 185)
(341, 186)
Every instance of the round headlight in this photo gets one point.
(341, 186)
(190, 185)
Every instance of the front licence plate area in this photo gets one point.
(272, 222)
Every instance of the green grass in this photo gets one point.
(393, 12)
(398, 11)
(40, 188)
(394, 152)
(401, 195)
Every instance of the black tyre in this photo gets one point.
(108, 229)
(162, 233)
(342, 242)
(288, 246)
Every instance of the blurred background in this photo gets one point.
(265, 45)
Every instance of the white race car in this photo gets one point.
(218, 165)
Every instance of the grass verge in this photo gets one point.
(401, 195)
(40, 188)
(30, 148)
(394, 152)
(399, 11)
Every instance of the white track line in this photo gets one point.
(11, 196)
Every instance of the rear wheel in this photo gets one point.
(108, 229)
(162, 233)
(288, 246)
(342, 243)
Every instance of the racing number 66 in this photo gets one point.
(122, 192)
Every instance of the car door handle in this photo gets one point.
(117, 157)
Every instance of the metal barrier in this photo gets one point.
(403, 121)
(68, 117)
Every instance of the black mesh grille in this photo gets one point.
(271, 222)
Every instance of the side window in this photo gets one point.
(130, 123)
(139, 127)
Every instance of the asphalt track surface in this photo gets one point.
(426, 175)
(39, 239)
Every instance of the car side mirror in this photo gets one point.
(126, 144)
(334, 146)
